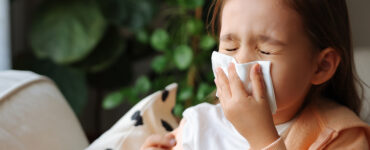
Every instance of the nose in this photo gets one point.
(245, 55)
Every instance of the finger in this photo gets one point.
(258, 83)
(159, 141)
(217, 88)
(218, 91)
(236, 85)
(172, 138)
(223, 83)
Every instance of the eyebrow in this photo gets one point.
(268, 39)
(262, 38)
(229, 37)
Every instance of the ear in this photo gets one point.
(327, 64)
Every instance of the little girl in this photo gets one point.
(309, 45)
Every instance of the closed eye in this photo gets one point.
(265, 53)
(232, 49)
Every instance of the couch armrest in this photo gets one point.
(35, 115)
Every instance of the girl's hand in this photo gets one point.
(159, 142)
(249, 114)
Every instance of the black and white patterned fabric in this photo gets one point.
(152, 115)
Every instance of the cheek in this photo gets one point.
(291, 83)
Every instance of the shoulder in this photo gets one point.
(348, 131)
(336, 116)
(322, 123)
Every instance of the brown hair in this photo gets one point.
(327, 25)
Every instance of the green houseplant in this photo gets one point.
(87, 37)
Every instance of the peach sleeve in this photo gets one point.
(352, 138)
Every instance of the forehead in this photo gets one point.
(271, 17)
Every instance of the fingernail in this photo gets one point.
(259, 68)
(172, 142)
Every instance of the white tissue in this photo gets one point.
(243, 71)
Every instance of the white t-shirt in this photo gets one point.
(206, 128)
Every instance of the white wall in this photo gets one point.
(359, 12)
(5, 57)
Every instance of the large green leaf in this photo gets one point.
(67, 31)
(183, 56)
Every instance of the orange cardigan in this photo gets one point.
(324, 124)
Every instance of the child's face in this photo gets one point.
(254, 30)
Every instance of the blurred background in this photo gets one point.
(105, 55)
